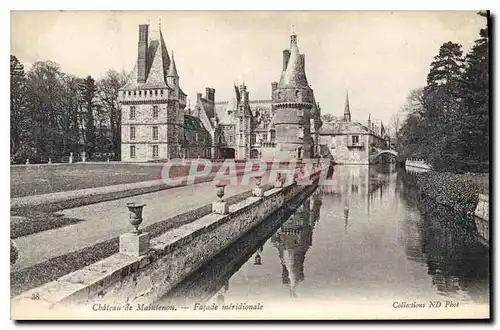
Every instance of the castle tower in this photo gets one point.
(152, 103)
(293, 100)
(243, 124)
(347, 109)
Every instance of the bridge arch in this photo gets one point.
(380, 152)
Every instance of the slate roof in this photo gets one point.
(193, 123)
(343, 127)
(157, 66)
(294, 76)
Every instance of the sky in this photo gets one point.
(378, 56)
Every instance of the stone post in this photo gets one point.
(27, 161)
(50, 160)
(257, 191)
(70, 157)
(279, 181)
(84, 157)
(220, 206)
(135, 243)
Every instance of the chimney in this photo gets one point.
(198, 96)
(286, 57)
(274, 86)
(142, 53)
(212, 90)
(210, 94)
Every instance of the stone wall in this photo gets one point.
(171, 258)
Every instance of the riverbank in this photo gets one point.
(457, 191)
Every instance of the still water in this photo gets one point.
(363, 238)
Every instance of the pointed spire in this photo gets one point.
(172, 70)
(347, 109)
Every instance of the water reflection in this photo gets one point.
(448, 243)
(293, 240)
(212, 279)
(365, 236)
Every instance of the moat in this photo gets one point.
(363, 238)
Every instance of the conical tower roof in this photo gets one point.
(294, 76)
(172, 70)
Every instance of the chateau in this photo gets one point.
(156, 125)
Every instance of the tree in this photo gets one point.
(88, 91)
(474, 132)
(108, 87)
(71, 104)
(45, 92)
(328, 118)
(18, 116)
(442, 102)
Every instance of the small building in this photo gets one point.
(351, 142)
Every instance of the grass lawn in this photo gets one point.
(43, 179)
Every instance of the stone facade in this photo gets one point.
(154, 126)
(351, 142)
(285, 126)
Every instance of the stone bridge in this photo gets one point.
(379, 152)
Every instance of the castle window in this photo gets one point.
(135, 93)
(155, 112)
(132, 132)
(132, 112)
(297, 93)
(129, 93)
(264, 136)
(155, 151)
(150, 92)
(300, 112)
(132, 151)
(279, 95)
(300, 133)
(161, 91)
(196, 137)
(155, 132)
(156, 92)
(355, 139)
(140, 93)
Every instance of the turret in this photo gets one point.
(172, 76)
(293, 102)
